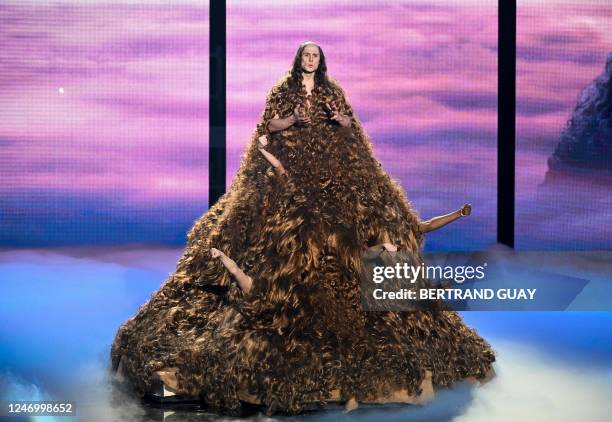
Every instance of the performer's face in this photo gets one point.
(310, 58)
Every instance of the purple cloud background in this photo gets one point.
(421, 76)
(121, 155)
(561, 48)
(103, 121)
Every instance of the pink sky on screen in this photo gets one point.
(132, 121)
(422, 77)
(409, 69)
(561, 48)
(103, 98)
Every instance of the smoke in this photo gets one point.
(534, 386)
(61, 310)
(13, 387)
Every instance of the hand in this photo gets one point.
(300, 118)
(343, 120)
(389, 247)
(262, 141)
(215, 253)
(466, 210)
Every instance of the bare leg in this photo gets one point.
(168, 377)
(442, 220)
(262, 141)
(244, 281)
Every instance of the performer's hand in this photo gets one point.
(299, 117)
(389, 247)
(343, 120)
(215, 253)
(466, 210)
(262, 141)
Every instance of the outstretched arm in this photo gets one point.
(262, 141)
(442, 220)
(244, 281)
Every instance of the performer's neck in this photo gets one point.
(308, 76)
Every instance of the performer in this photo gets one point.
(264, 306)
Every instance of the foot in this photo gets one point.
(350, 405)
(169, 379)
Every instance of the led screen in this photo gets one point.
(103, 121)
(422, 77)
(564, 125)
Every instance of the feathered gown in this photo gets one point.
(300, 333)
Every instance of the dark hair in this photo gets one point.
(295, 79)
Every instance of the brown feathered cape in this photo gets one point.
(300, 333)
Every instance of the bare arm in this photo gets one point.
(276, 124)
(262, 141)
(244, 281)
(442, 220)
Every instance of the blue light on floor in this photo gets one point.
(59, 311)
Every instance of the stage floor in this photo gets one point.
(60, 309)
